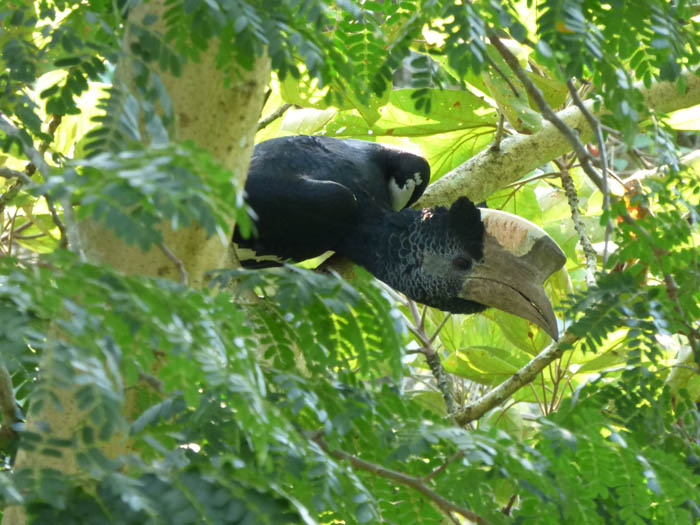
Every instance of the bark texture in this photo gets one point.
(222, 119)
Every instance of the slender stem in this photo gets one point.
(415, 483)
(589, 252)
(542, 408)
(544, 393)
(184, 278)
(37, 163)
(444, 380)
(266, 121)
(496, 146)
(440, 326)
(595, 126)
(454, 457)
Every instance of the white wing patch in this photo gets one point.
(401, 195)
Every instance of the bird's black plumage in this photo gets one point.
(309, 192)
(315, 194)
(425, 254)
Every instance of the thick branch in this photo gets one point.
(521, 378)
(215, 115)
(418, 484)
(490, 170)
(7, 173)
(7, 405)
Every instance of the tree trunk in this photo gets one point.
(223, 120)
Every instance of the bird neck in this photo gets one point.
(396, 248)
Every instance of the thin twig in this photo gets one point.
(184, 279)
(75, 243)
(544, 393)
(505, 77)
(548, 112)
(63, 241)
(16, 231)
(509, 506)
(415, 483)
(597, 130)
(542, 408)
(444, 380)
(589, 252)
(266, 121)
(439, 327)
(555, 386)
(12, 232)
(34, 156)
(423, 315)
(672, 290)
(522, 182)
(37, 162)
(152, 381)
(496, 146)
(454, 457)
(266, 97)
(521, 378)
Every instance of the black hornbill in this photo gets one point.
(315, 194)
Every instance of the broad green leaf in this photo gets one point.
(514, 105)
(554, 91)
(685, 119)
(483, 364)
(522, 333)
(519, 201)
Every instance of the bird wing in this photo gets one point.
(299, 213)
(308, 192)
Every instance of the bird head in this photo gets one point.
(479, 258)
(407, 177)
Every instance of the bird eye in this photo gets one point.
(462, 264)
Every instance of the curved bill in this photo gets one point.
(518, 257)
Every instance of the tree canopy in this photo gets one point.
(145, 378)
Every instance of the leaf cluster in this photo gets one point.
(239, 405)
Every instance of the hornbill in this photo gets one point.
(312, 194)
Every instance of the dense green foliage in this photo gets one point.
(248, 410)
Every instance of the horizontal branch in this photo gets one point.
(490, 170)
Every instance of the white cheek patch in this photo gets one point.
(400, 196)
